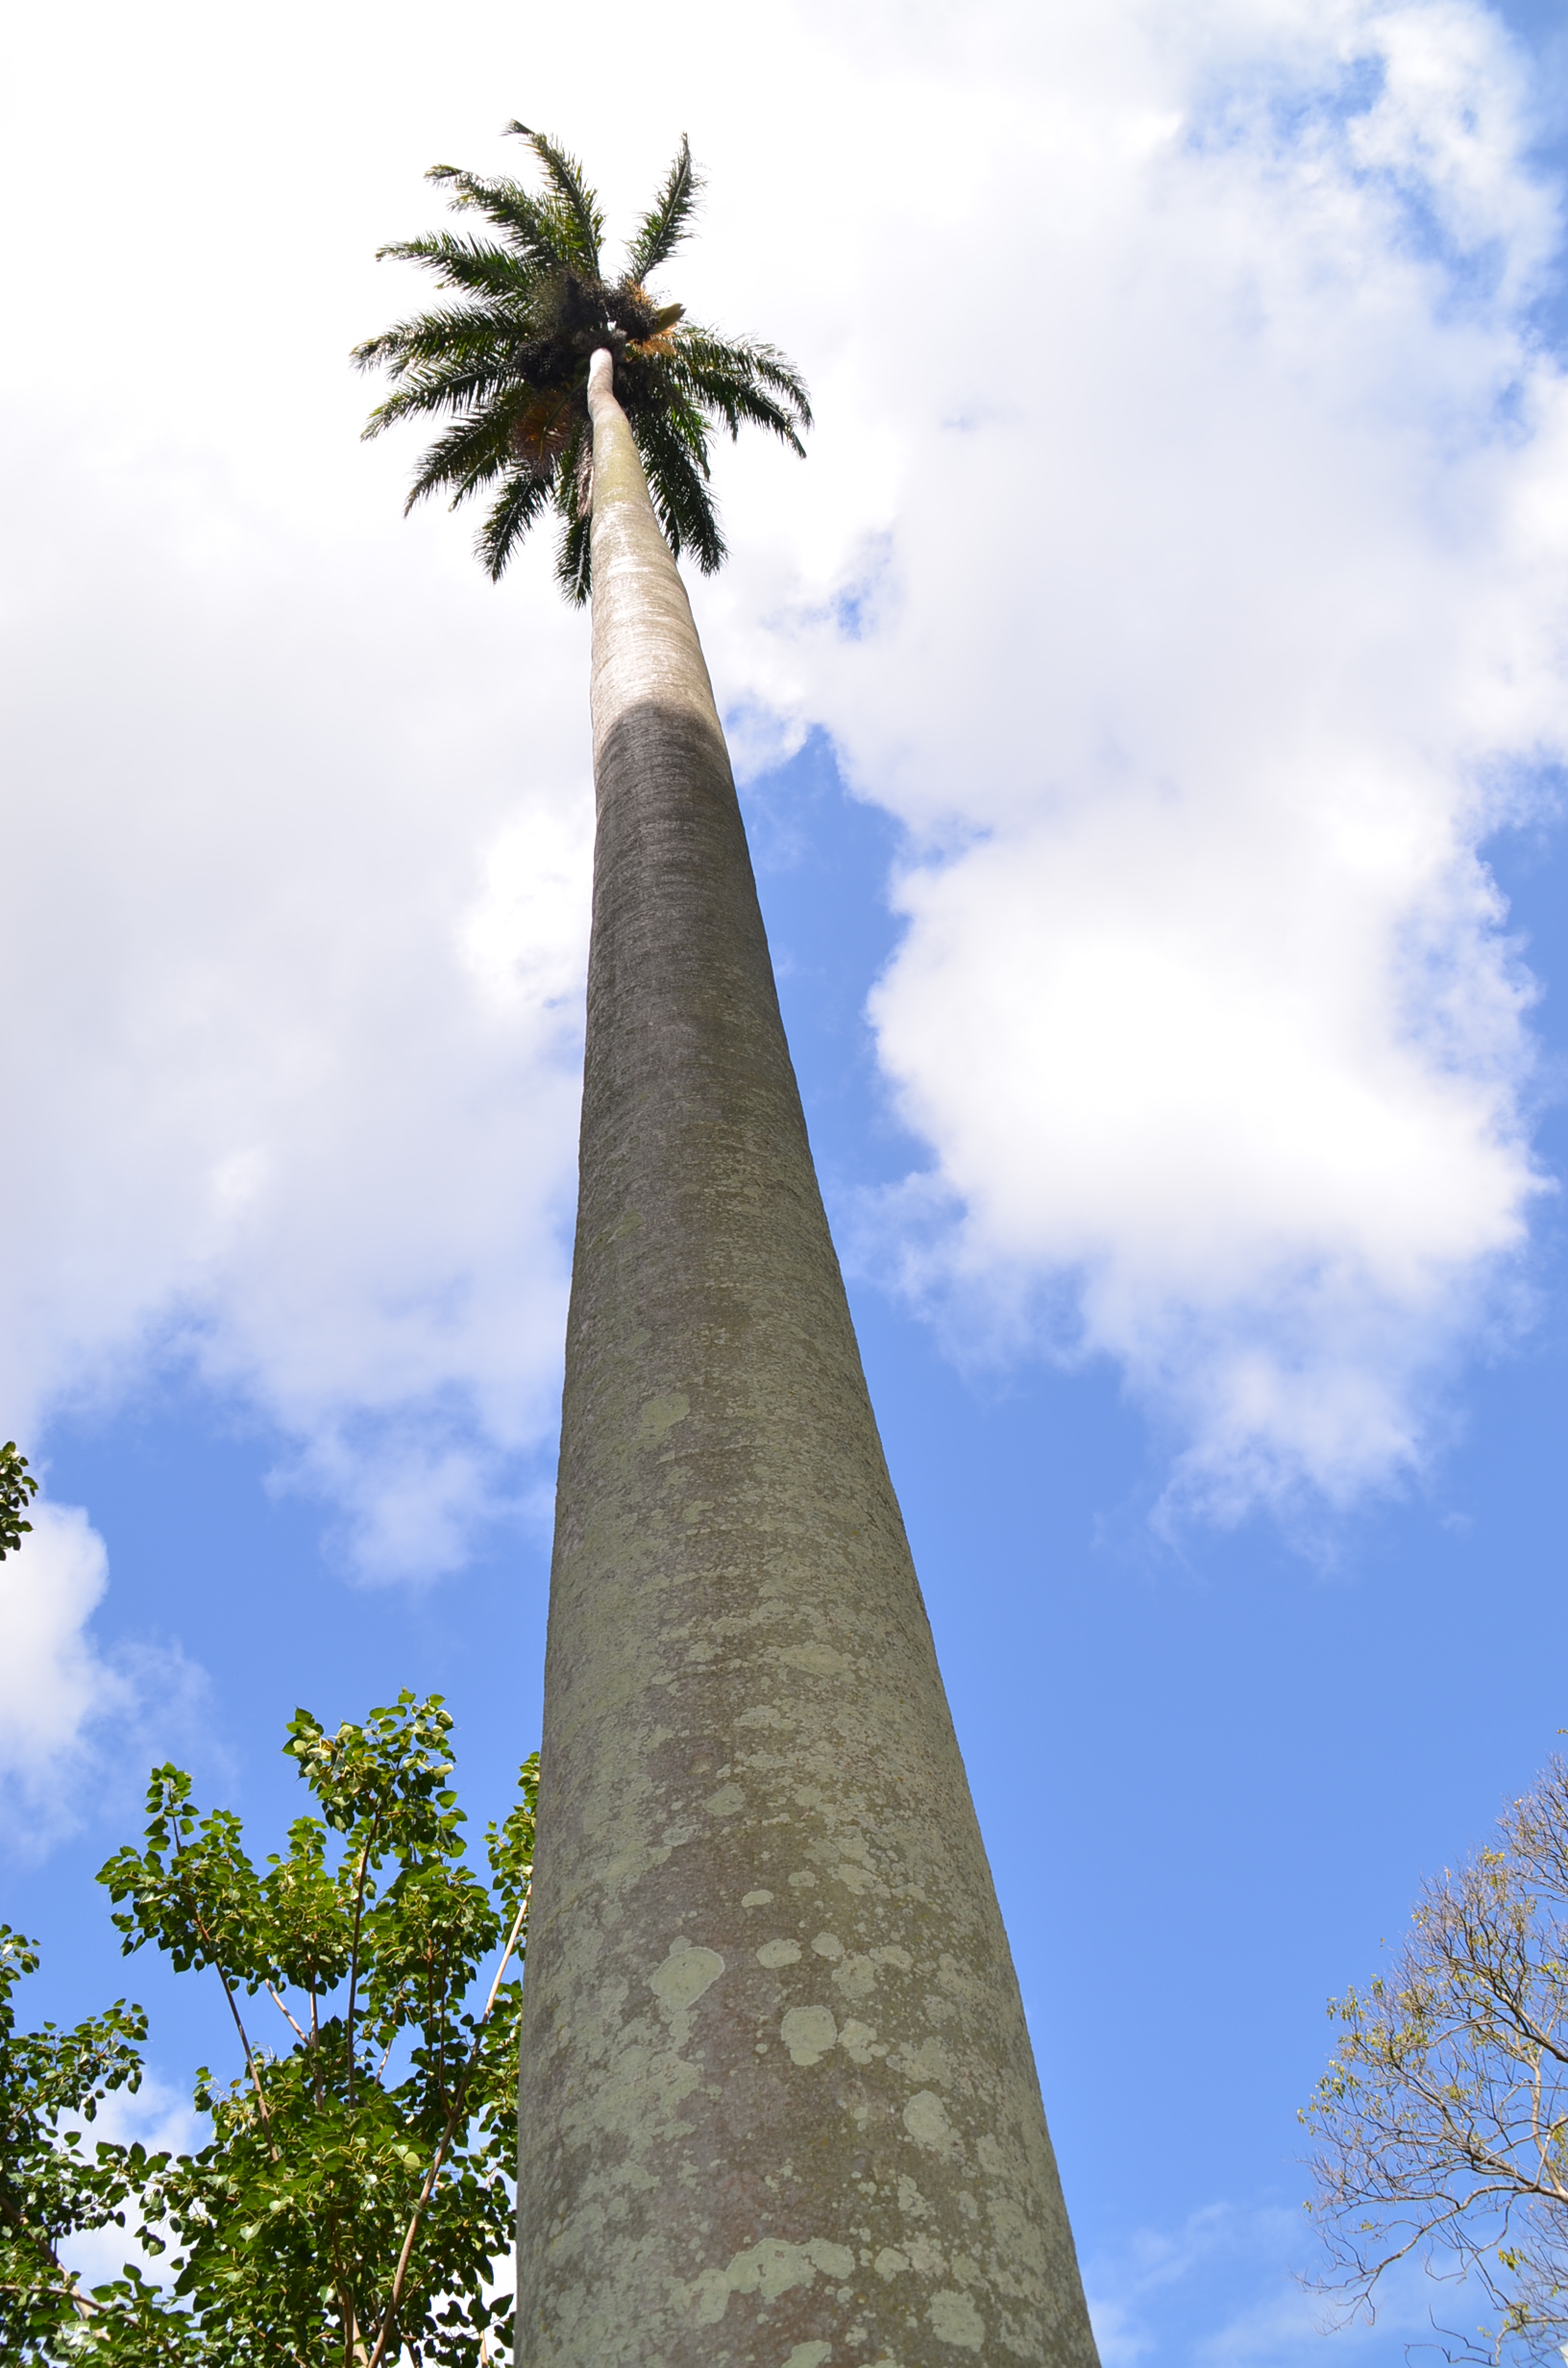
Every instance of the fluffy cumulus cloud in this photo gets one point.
(297, 1089)
(1180, 559)
(1220, 616)
(68, 1711)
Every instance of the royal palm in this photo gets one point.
(778, 2103)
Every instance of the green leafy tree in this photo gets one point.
(508, 363)
(17, 1489)
(1442, 2125)
(355, 2196)
(53, 2185)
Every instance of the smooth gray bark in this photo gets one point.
(778, 2103)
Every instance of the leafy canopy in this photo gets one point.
(51, 2185)
(355, 2197)
(17, 1489)
(506, 363)
(1442, 2125)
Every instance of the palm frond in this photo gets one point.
(573, 561)
(447, 335)
(525, 496)
(676, 466)
(667, 220)
(728, 403)
(473, 263)
(748, 404)
(458, 382)
(748, 372)
(579, 207)
(474, 451)
(505, 364)
(536, 228)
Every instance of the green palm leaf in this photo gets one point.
(476, 263)
(674, 454)
(539, 231)
(666, 223)
(579, 205)
(505, 364)
(505, 524)
(473, 453)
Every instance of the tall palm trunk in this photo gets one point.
(778, 2105)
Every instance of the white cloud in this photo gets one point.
(1124, 2289)
(66, 1710)
(1142, 2306)
(302, 1088)
(163, 2122)
(1225, 615)
(1200, 505)
(51, 1683)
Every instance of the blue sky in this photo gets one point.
(1228, 1682)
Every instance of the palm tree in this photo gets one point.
(778, 2103)
(509, 364)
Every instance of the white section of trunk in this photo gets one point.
(646, 647)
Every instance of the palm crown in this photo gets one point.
(507, 364)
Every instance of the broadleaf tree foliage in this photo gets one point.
(17, 1489)
(505, 363)
(53, 2184)
(355, 2196)
(1441, 2124)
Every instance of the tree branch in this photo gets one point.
(427, 2190)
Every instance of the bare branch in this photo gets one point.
(1442, 2121)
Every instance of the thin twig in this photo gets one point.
(511, 1944)
(250, 2060)
(84, 2303)
(433, 2173)
(354, 1953)
(284, 2013)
